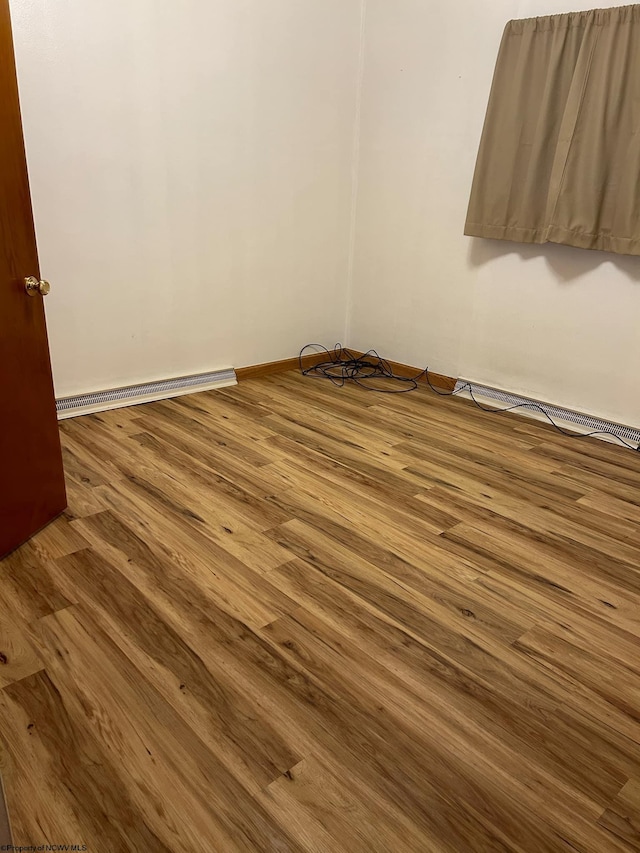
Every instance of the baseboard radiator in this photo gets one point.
(132, 395)
(565, 418)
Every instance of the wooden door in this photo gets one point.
(32, 489)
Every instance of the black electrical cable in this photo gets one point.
(344, 366)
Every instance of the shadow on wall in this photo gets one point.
(567, 262)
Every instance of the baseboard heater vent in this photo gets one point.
(565, 418)
(132, 395)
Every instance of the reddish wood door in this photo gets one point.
(32, 489)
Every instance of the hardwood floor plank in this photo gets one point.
(344, 448)
(326, 813)
(179, 454)
(57, 540)
(236, 584)
(18, 658)
(192, 681)
(226, 580)
(561, 566)
(622, 818)
(582, 524)
(83, 771)
(80, 464)
(445, 425)
(604, 459)
(617, 683)
(360, 502)
(27, 587)
(288, 616)
(386, 484)
(385, 709)
(201, 409)
(225, 526)
(407, 603)
(611, 506)
(5, 826)
(620, 560)
(562, 740)
(318, 496)
(82, 501)
(168, 414)
(164, 769)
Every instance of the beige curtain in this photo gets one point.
(559, 158)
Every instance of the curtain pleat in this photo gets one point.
(559, 158)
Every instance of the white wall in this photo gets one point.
(192, 169)
(190, 166)
(552, 322)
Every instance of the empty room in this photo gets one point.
(319, 426)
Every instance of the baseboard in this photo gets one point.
(446, 383)
(577, 422)
(268, 367)
(133, 395)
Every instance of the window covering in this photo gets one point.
(559, 157)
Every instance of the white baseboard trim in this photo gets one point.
(577, 422)
(133, 395)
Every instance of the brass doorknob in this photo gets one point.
(33, 286)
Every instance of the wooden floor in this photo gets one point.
(287, 616)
